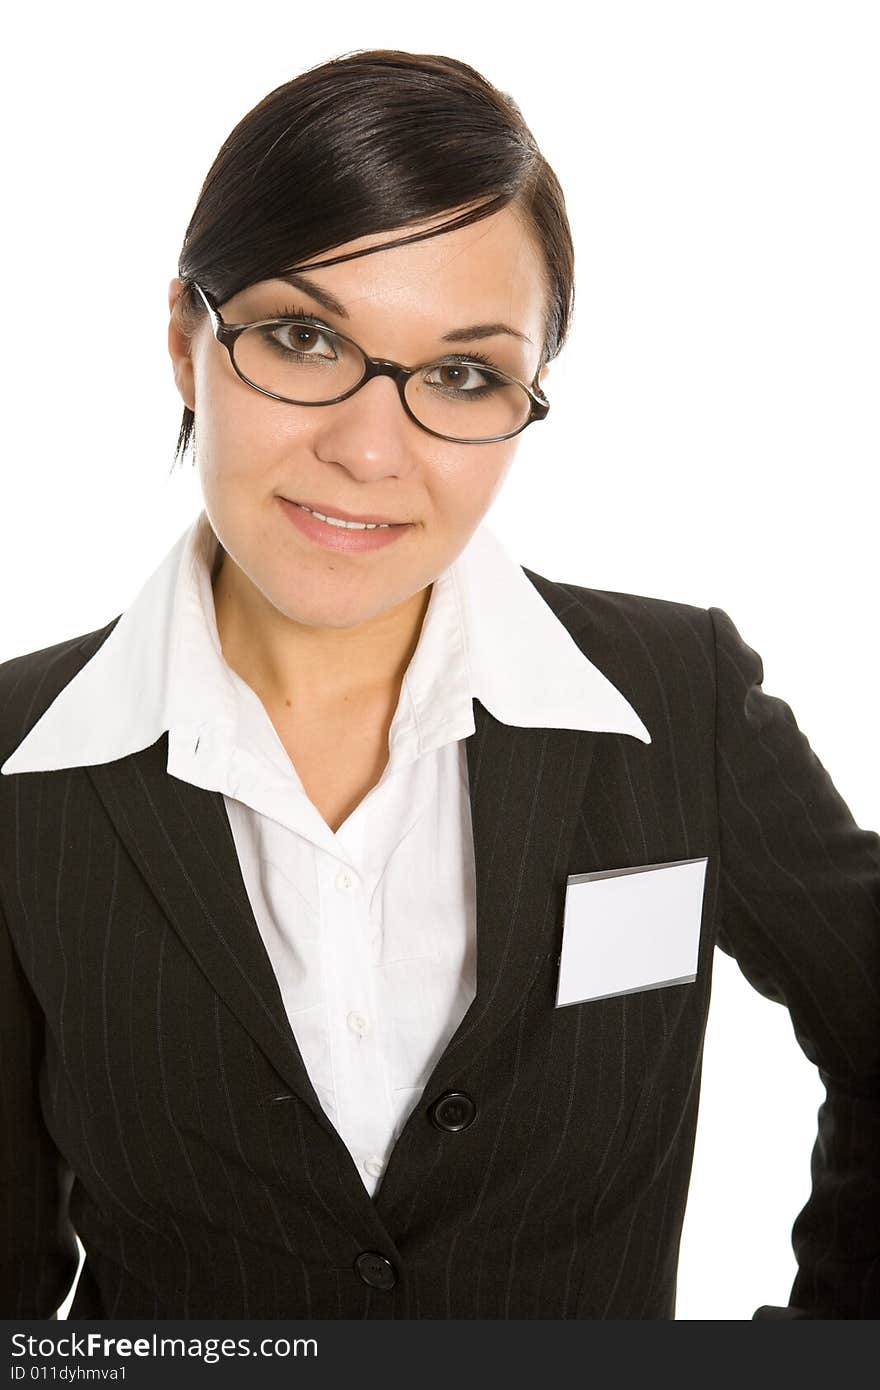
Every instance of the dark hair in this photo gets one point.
(368, 142)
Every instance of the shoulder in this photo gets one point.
(31, 681)
(636, 621)
(659, 653)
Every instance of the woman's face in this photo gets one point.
(362, 456)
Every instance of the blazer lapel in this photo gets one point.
(526, 790)
(180, 838)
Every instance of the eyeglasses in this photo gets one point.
(472, 404)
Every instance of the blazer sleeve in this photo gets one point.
(800, 913)
(39, 1256)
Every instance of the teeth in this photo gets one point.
(352, 525)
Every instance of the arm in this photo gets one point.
(800, 913)
(38, 1251)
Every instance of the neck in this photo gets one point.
(296, 664)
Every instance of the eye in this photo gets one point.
(461, 378)
(457, 375)
(299, 340)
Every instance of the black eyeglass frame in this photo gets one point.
(226, 333)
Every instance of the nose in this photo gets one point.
(369, 433)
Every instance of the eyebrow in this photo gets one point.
(469, 334)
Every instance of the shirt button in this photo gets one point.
(344, 881)
(358, 1023)
(374, 1166)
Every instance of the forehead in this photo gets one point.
(490, 268)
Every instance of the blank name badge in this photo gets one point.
(626, 930)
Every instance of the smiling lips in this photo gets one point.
(340, 517)
(344, 535)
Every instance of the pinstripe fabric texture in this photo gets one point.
(153, 1097)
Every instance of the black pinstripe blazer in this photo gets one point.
(154, 1099)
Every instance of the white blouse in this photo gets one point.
(370, 930)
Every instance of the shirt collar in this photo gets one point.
(487, 634)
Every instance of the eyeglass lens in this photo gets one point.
(307, 365)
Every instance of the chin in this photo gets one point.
(321, 615)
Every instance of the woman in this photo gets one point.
(360, 886)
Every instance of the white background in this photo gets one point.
(713, 436)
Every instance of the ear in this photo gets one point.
(180, 345)
(175, 290)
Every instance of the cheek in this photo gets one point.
(242, 436)
(469, 484)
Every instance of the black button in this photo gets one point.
(453, 1112)
(375, 1270)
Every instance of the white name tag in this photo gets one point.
(625, 930)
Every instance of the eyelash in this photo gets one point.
(295, 311)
